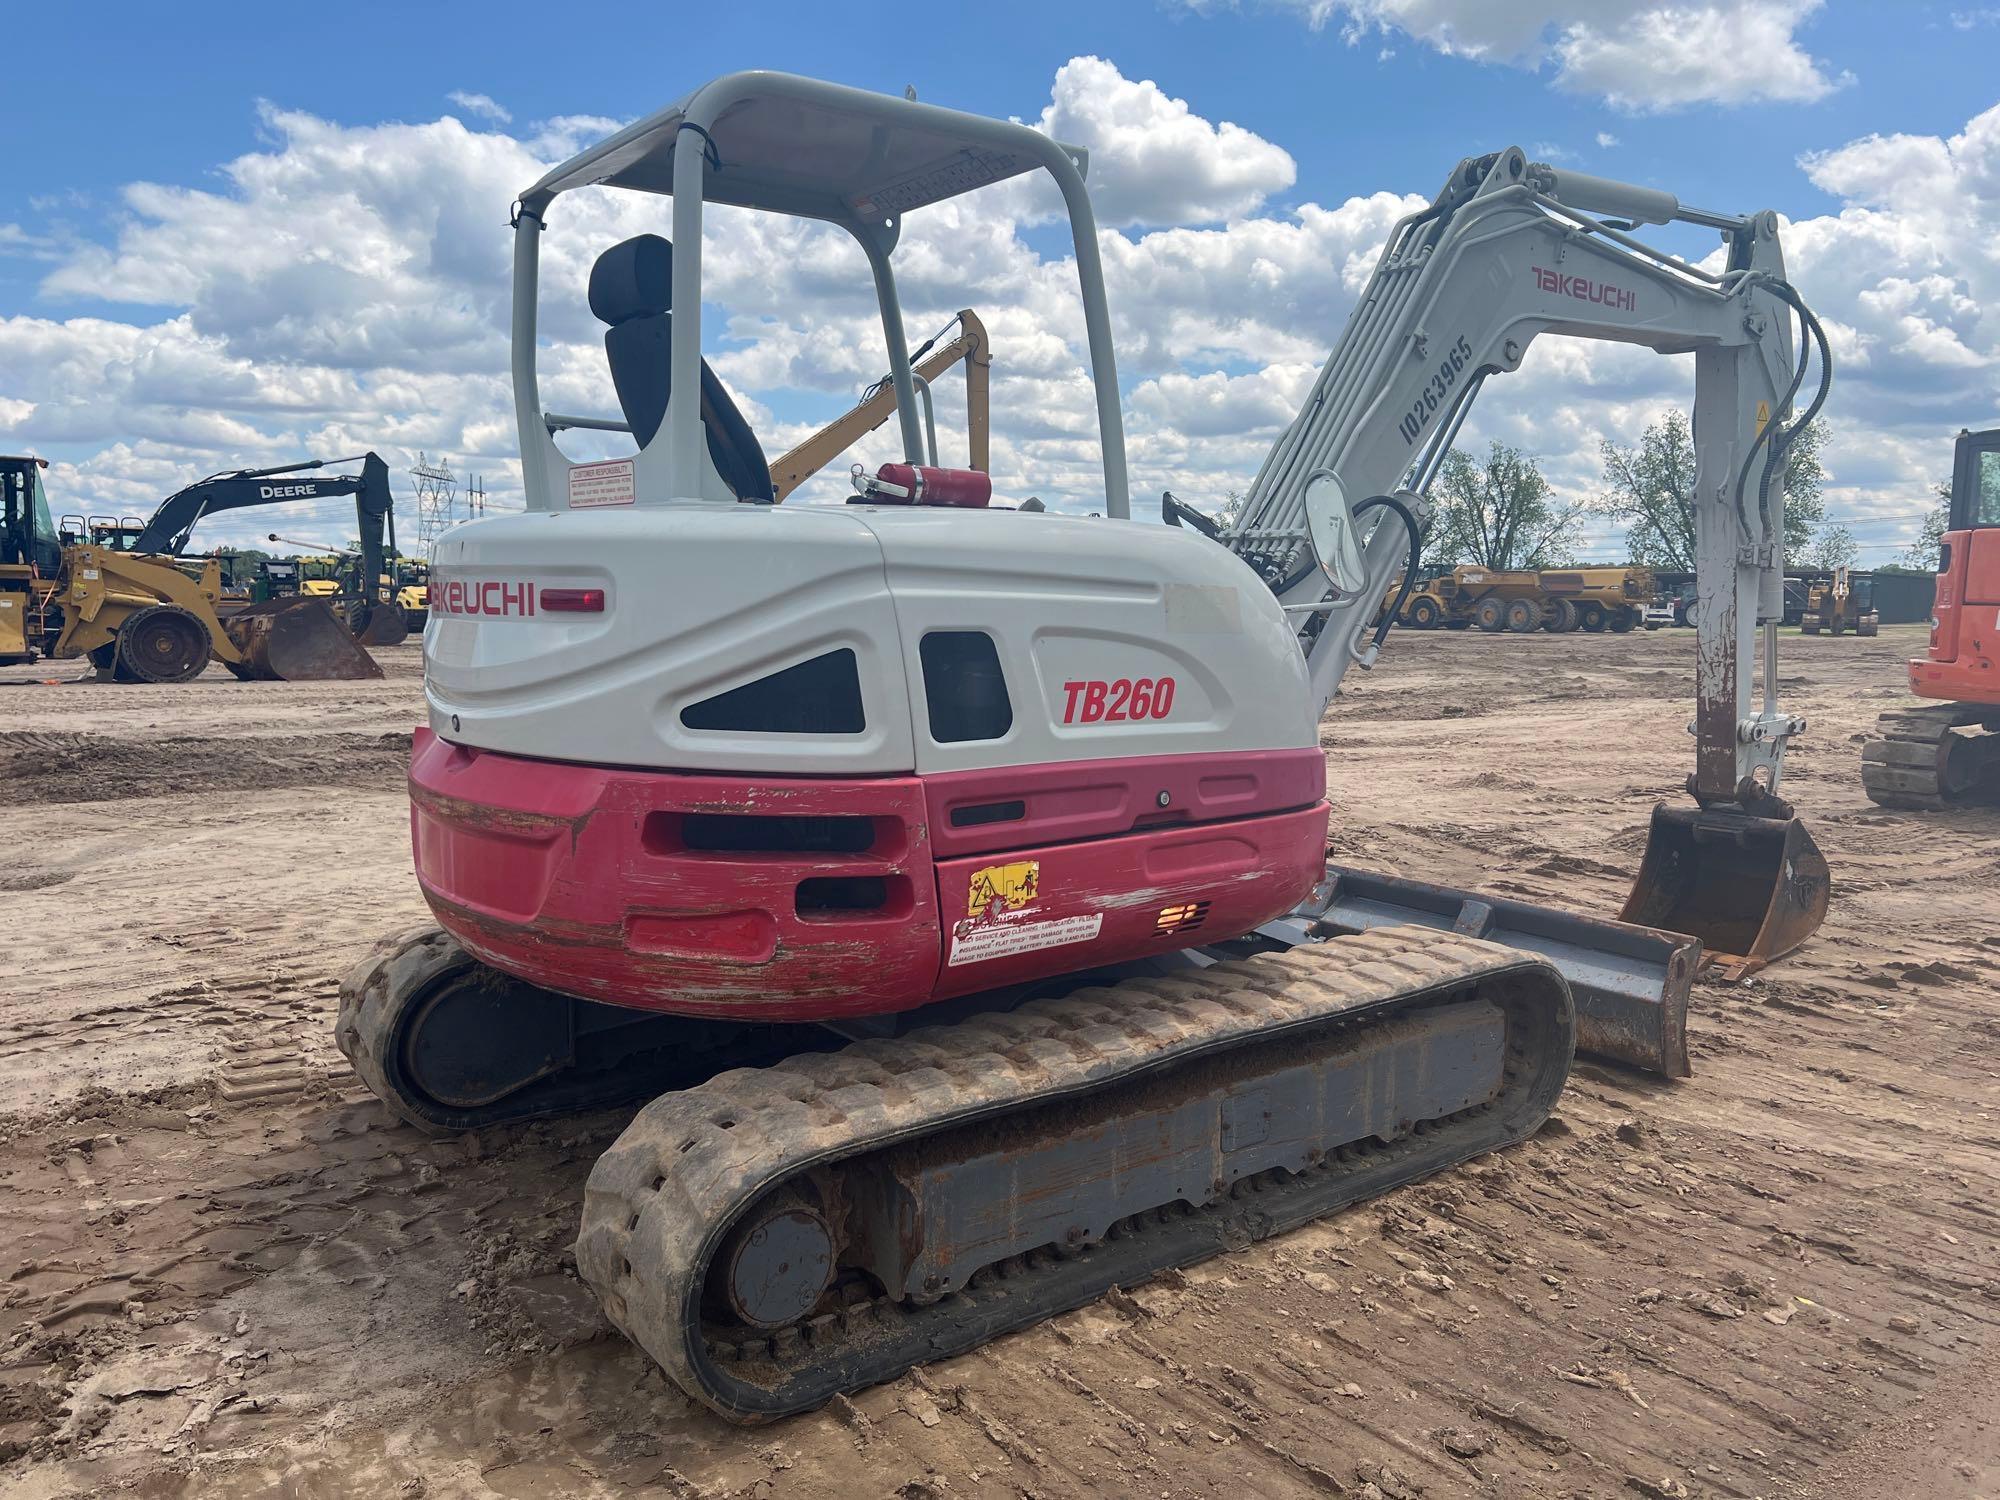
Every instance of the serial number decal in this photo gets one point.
(1444, 379)
(1123, 700)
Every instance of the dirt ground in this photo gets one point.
(226, 1272)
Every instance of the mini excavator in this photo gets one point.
(1945, 751)
(950, 874)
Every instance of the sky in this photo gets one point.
(239, 235)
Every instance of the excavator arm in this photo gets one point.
(879, 404)
(172, 525)
(1508, 251)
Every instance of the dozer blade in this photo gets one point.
(1630, 982)
(1752, 889)
(296, 640)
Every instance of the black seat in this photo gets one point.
(632, 290)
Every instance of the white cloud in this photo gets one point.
(1606, 140)
(1638, 55)
(1152, 159)
(345, 287)
(483, 105)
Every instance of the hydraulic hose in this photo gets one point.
(1390, 502)
(1810, 334)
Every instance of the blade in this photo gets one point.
(1630, 982)
(1752, 889)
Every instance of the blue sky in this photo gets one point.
(1372, 97)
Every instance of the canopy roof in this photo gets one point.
(801, 146)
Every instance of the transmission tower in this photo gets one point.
(437, 500)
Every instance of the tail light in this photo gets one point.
(573, 601)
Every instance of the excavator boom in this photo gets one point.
(1508, 251)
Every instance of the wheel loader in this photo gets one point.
(1840, 604)
(1946, 752)
(951, 874)
(127, 598)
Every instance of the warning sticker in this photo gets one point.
(1003, 888)
(1763, 415)
(593, 485)
(1003, 939)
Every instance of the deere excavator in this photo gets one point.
(1947, 751)
(128, 600)
(952, 875)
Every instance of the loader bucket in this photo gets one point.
(296, 640)
(1630, 983)
(1752, 889)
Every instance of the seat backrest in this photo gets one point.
(631, 290)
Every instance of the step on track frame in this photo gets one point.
(796, 1144)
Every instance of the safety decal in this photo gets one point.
(999, 889)
(975, 944)
(1763, 415)
(595, 485)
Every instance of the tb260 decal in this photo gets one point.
(1123, 700)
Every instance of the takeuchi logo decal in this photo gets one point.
(459, 596)
(1583, 289)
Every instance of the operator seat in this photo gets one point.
(632, 290)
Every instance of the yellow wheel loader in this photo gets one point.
(142, 613)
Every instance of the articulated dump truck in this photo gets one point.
(1558, 600)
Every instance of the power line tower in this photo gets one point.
(437, 500)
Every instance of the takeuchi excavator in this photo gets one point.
(952, 875)
(1946, 751)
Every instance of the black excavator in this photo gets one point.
(367, 604)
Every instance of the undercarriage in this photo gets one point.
(1932, 757)
(775, 1229)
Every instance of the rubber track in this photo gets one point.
(1900, 764)
(659, 1201)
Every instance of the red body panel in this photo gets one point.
(1963, 665)
(641, 888)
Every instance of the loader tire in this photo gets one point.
(164, 644)
(1490, 615)
(1423, 613)
(1559, 616)
(1591, 617)
(1523, 615)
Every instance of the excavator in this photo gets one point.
(125, 598)
(1946, 752)
(950, 875)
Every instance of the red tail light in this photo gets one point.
(573, 601)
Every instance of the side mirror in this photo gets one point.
(1330, 530)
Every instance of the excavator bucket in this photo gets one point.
(296, 640)
(383, 625)
(1752, 889)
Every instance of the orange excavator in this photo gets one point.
(1947, 752)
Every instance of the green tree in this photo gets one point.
(1832, 546)
(1650, 487)
(1923, 552)
(1499, 514)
